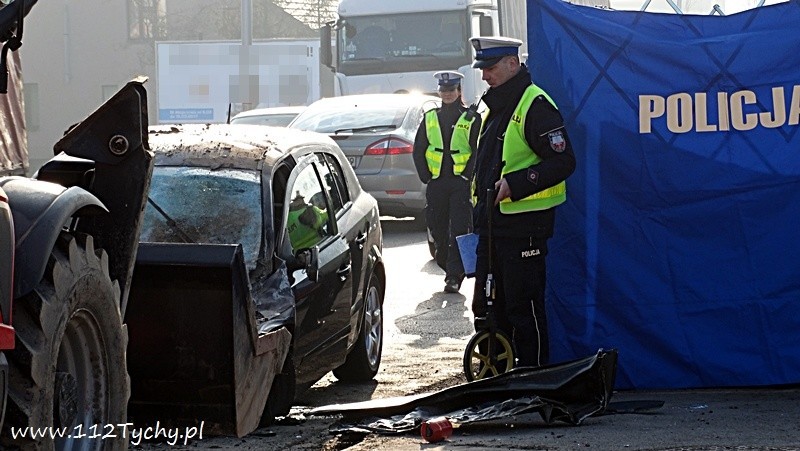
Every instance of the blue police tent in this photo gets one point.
(679, 244)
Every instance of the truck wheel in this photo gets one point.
(364, 359)
(68, 370)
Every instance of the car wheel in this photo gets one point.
(282, 393)
(364, 359)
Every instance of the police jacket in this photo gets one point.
(545, 134)
(448, 115)
(304, 224)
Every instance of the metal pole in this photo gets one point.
(247, 22)
(244, 94)
(67, 35)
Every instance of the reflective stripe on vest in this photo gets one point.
(460, 149)
(517, 154)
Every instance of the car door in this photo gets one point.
(353, 225)
(322, 302)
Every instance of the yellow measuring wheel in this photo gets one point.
(488, 354)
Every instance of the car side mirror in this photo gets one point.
(325, 49)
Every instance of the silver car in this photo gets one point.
(376, 133)
(278, 116)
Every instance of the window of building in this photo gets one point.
(146, 19)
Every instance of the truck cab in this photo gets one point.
(395, 47)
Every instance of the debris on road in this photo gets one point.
(568, 392)
(436, 430)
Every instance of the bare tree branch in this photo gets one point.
(313, 13)
(221, 19)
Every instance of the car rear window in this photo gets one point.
(200, 205)
(350, 118)
(275, 120)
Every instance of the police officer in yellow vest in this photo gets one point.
(525, 155)
(305, 223)
(443, 156)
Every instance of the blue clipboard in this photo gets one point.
(468, 247)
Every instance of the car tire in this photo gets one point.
(364, 359)
(420, 219)
(281, 395)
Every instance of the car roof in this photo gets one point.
(228, 145)
(271, 110)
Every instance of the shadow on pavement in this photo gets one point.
(441, 316)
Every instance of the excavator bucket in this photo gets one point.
(195, 352)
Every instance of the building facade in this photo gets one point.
(77, 53)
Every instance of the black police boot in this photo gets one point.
(452, 286)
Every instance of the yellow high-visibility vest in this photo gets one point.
(518, 154)
(460, 149)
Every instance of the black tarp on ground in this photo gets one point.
(568, 392)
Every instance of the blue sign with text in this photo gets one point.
(679, 244)
(185, 114)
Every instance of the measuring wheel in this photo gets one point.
(488, 354)
(489, 351)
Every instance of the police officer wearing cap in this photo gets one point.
(443, 155)
(524, 155)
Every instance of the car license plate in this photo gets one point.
(353, 161)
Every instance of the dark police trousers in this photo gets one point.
(449, 214)
(518, 269)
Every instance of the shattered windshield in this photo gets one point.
(199, 205)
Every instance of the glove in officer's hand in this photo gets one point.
(503, 191)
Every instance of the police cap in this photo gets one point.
(489, 50)
(448, 79)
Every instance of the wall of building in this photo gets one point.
(75, 54)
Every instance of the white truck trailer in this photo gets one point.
(206, 81)
(389, 46)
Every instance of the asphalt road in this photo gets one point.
(426, 332)
(765, 419)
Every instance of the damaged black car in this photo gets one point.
(251, 232)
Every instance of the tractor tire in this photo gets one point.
(364, 359)
(68, 371)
